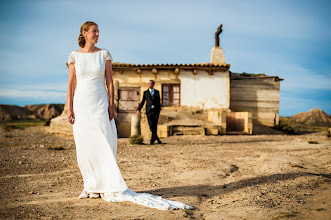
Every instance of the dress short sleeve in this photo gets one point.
(107, 55)
(71, 58)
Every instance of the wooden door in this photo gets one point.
(129, 98)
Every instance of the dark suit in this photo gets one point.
(152, 113)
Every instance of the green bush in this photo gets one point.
(136, 139)
(8, 127)
(287, 129)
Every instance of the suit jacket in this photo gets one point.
(151, 100)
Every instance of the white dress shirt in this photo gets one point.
(151, 91)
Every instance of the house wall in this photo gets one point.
(200, 90)
(257, 95)
(204, 90)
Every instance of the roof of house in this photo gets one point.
(210, 66)
(251, 76)
(201, 66)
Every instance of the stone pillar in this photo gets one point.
(218, 118)
(135, 124)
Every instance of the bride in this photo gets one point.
(91, 112)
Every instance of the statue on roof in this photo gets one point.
(217, 33)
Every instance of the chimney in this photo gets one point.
(217, 54)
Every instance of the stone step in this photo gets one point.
(188, 130)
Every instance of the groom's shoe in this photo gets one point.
(94, 195)
(159, 141)
(83, 195)
(151, 142)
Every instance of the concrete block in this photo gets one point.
(211, 131)
(164, 131)
(219, 119)
(124, 129)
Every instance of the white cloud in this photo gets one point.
(60, 87)
(35, 94)
(298, 77)
(43, 91)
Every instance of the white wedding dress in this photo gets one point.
(95, 136)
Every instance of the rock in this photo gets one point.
(61, 125)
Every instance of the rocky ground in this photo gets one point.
(223, 177)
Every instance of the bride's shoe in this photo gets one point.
(83, 195)
(94, 195)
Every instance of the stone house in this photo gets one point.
(199, 98)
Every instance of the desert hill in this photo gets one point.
(313, 117)
(46, 111)
(33, 112)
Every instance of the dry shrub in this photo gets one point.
(55, 148)
(136, 139)
(288, 129)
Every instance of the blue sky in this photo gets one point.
(287, 38)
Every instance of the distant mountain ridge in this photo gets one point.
(313, 117)
(47, 111)
(33, 112)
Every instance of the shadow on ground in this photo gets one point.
(209, 190)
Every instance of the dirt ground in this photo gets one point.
(223, 177)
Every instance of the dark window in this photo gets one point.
(170, 95)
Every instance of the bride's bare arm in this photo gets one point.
(110, 88)
(70, 93)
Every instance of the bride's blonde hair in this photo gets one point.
(84, 27)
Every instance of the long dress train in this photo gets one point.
(95, 136)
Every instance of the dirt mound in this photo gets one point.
(46, 111)
(313, 117)
(34, 112)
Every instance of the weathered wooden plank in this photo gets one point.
(253, 96)
(257, 95)
(255, 104)
(253, 87)
(252, 81)
(253, 109)
(253, 99)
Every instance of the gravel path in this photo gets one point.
(223, 177)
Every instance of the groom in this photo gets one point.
(153, 108)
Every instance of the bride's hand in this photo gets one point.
(71, 116)
(111, 111)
